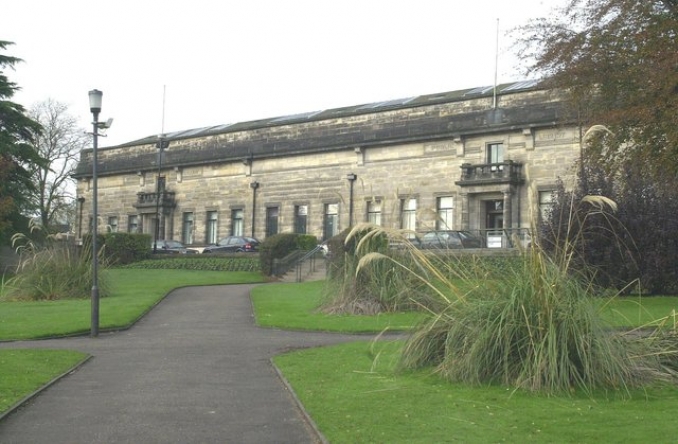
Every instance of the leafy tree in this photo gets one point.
(617, 62)
(618, 59)
(16, 149)
(59, 143)
(636, 240)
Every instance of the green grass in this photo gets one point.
(134, 292)
(24, 371)
(629, 311)
(354, 395)
(293, 306)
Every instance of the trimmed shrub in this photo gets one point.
(282, 245)
(276, 247)
(306, 242)
(203, 262)
(125, 248)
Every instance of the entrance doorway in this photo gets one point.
(494, 223)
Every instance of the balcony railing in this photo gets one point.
(491, 173)
(150, 200)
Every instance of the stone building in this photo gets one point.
(481, 159)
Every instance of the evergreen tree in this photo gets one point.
(16, 149)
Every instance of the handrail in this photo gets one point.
(310, 257)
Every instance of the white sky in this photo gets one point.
(223, 61)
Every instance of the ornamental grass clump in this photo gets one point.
(51, 271)
(534, 326)
(378, 286)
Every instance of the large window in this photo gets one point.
(408, 214)
(272, 220)
(133, 223)
(161, 184)
(331, 221)
(211, 227)
(495, 154)
(187, 228)
(445, 210)
(545, 204)
(374, 212)
(112, 224)
(300, 218)
(237, 222)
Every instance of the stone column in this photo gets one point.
(507, 213)
(464, 211)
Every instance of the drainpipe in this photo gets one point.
(254, 185)
(351, 179)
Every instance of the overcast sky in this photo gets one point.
(224, 61)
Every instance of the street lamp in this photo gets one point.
(95, 108)
(254, 185)
(351, 178)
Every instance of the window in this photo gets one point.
(331, 221)
(112, 224)
(495, 154)
(133, 223)
(211, 227)
(300, 218)
(161, 184)
(187, 229)
(272, 220)
(237, 222)
(374, 212)
(408, 214)
(445, 210)
(545, 204)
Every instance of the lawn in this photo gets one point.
(294, 306)
(133, 293)
(25, 371)
(354, 395)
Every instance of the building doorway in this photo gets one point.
(494, 223)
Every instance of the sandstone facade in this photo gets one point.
(460, 160)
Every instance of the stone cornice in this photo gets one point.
(390, 127)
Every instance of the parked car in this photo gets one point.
(450, 239)
(172, 247)
(233, 244)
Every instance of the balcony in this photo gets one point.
(509, 172)
(150, 200)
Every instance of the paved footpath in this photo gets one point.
(194, 370)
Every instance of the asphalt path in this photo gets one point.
(196, 369)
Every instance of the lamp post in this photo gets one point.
(161, 145)
(254, 185)
(351, 178)
(95, 108)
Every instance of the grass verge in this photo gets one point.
(134, 292)
(354, 395)
(293, 306)
(25, 371)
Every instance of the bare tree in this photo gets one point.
(59, 143)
